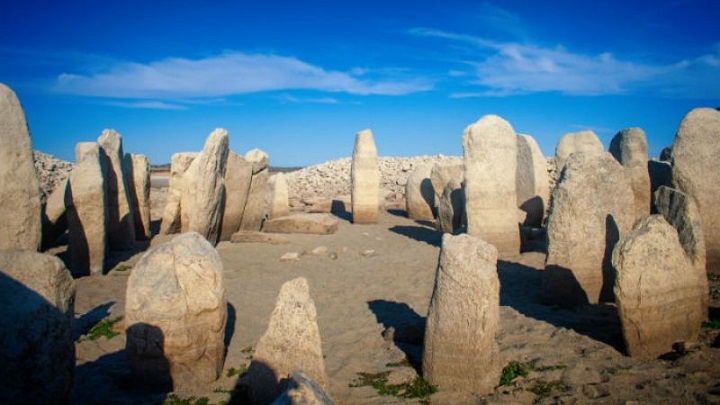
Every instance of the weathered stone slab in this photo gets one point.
(365, 179)
(460, 351)
(54, 220)
(303, 390)
(255, 208)
(442, 173)
(258, 237)
(120, 222)
(20, 211)
(630, 148)
(451, 208)
(277, 197)
(172, 218)
(318, 224)
(583, 141)
(137, 168)
(419, 194)
(531, 180)
(238, 177)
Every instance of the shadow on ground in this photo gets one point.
(419, 233)
(403, 326)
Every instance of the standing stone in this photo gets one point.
(37, 355)
(175, 314)
(531, 180)
(490, 153)
(291, 342)
(419, 194)
(680, 211)
(365, 179)
(20, 215)
(461, 351)
(277, 196)
(87, 211)
(696, 169)
(303, 391)
(137, 167)
(442, 173)
(592, 206)
(172, 218)
(54, 220)
(656, 289)
(451, 209)
(121, 223)
(203, 198)
(630, 148)
(660, 175)
(583, 141)
(238, 177)
(255, 207)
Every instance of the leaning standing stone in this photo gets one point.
(175, 314)
(656, 289)
(238, 177)
(37, 355)
(20, 224)
(121, 223)
(365, 177)
(172, 216)
(255, 208)
(277, 196)
(461, 351)
(137, 167)
(583, 141)
(490, 153)
(419, 194)
(531, 180)
(630, 148)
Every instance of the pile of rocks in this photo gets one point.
(51, 171)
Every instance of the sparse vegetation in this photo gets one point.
(173, 399)
(248, 352)
(103, 328)
(711, 324)
(240, 371)
(123, 267)
(544, 388)
(418, 388)
(513, 370)
(402, 363)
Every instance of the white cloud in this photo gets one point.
(149, 105)
(224, 75)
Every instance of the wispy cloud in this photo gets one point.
(314, 100)
(148, 105)
(227, 74)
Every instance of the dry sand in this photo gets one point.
(373, 277)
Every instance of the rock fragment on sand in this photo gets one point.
(175, 314)
(365, 178)
(171, 220)
(290, 257)
(255, 208)
(277, 197)
(656, 289)
(460, 351)
(318, 224)
(419, 194)
(20, 215)
(238, 177)
(531, 180)
(120, 219)
(583, 141)
(258, 237)
(630, 148)
(37, 355)
(137, 167)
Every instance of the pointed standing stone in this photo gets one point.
(490, 153)
(255, 208)
(20, 215)
(277, 197)
(531, 179)
(583, 141)
(365, 179)
(238, 178)
(419, 194)
(461, 351)
(121, 223)
(630, 148)
(137, 167)
(172, 218)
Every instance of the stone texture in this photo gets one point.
(175, 314)
(137, 168)
(696, 168)
(120, 220)
(258, 237)
(238, 177)
(592, 206)
(277, 197)
(51, 172)
(419, 194)
(583, 141)
(172, 220)
(37, 355)
(318, 224)
(443, 172)
(54, 220)
(20, 215)
(365, 176)
(531, 180)
(656, 289)
(255, 207)
(203, 199)
(87, 211)
(460, 350)
(630, 148)
(490, 152)
(303, 390)
(451, 209)
(291, 342)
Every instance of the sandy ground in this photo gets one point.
(375, 277)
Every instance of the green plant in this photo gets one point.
(402, 363)
(512, 370)
(711, 324)
(123, 267)
(249, 352)
(237, 371)
(544, 388)
(172, 399)
(418, 388)
(103, 328)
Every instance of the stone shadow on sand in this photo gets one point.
(403, 326)
(419, 233)
(521, 289)
(229, 327)
(86, 321)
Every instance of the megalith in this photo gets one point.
(365, 179)
(419, 194)
(20, 215)
(583, 141)
(630, 148)
(54, 220)
(137, 168)
(656, 289)
(172, 218)
(443, 172)
(238, 177)
(277, 197)
(303, 390)
(451, 208)
(531, 180)
(120, 220)
(460, 351)
(490, 154)
(175, 314)
(591, 207)
(696, 168)
(37, 355)
(255, 208)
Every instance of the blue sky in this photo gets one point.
(298, 79)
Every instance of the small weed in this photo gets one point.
(711, 324)
(103, 328)
(123, 267)
(402, 363)
(543, 388)
(175, 400)
(512, 370)
(548, 368)
(418, 388)
(249, 352)
(237, 371)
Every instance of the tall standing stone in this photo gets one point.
(656, 289)
(291, 342)
(238, 178)
(490, 153)
(54, 220)
(443, 172)
(37, 355)
(203, 199)
(460, 351)
(277, 197)
(121, 223)
(365, 179)
(137, 167)
(172, 218)
(583, 141)
(451, 208)
(531, 180)
(87, 211)
(255, 207)
(696, 169)
(175, 314)
(591, 208)
(630, 148)
(419, 194)
(20, 215)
